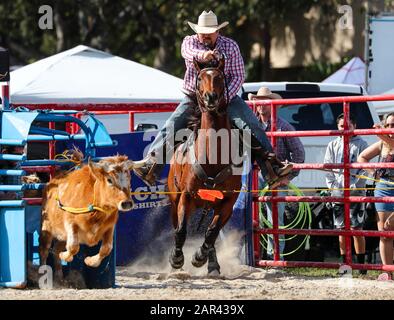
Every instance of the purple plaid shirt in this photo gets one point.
(288, 148)
(234, 64)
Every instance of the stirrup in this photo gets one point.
(279, 176)
(285, 170)
(274, 183)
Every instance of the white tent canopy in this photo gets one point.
(352, 72)
(87, 75)
(383, 107)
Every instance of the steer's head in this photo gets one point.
(113, 182)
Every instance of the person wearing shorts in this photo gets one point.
(384, 188)
(357, 215)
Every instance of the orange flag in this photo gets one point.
(210, 195)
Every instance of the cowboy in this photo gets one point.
(205, 46)
(288, 149)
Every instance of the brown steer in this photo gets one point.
(82, 207)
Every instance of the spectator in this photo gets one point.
(287, 149)
(384, 188)
(335, 182)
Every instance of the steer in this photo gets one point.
(82, 207)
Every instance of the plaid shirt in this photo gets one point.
(288, 148)
(233, 69)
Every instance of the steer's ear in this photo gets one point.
(95, 169)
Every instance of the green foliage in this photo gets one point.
(328, 273)
(146, 31)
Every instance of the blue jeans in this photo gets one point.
(241, 116)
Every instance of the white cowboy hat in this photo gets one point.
(207, 23)
(264, 93)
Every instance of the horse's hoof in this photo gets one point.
(177, 261)
(214, 273)
(199, 259)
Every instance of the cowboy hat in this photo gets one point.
(264, 93)
(207, 23)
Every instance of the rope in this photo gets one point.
(88, 209)
(304, 212)
(259, 190)
(67, 157)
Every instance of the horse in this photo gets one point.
(188, 180)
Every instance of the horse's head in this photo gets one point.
(211, 87)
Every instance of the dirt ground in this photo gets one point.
(249, 283)
(149, 279)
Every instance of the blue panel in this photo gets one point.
(56, 137)
(16, 125)
(12, 247)
(242, 216)
(11, 172)
(12, 142)
(33, 226)
(12, 157)
(100, 134)
(12, 203)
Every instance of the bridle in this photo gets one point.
(222, 96)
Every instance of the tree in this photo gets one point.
(147, 31)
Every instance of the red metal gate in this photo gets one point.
(346, 199)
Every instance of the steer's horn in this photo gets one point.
(136, 164)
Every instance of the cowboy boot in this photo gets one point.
(147, 172)
(276, 171)
(280, 168)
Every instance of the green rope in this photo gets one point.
(304, 213)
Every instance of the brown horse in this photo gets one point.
(197, 165)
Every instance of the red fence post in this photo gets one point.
(274, 206)
(346, 184)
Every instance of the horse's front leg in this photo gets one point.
(207, 251)
(200, 257)
(183, 210)
(105, 249)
